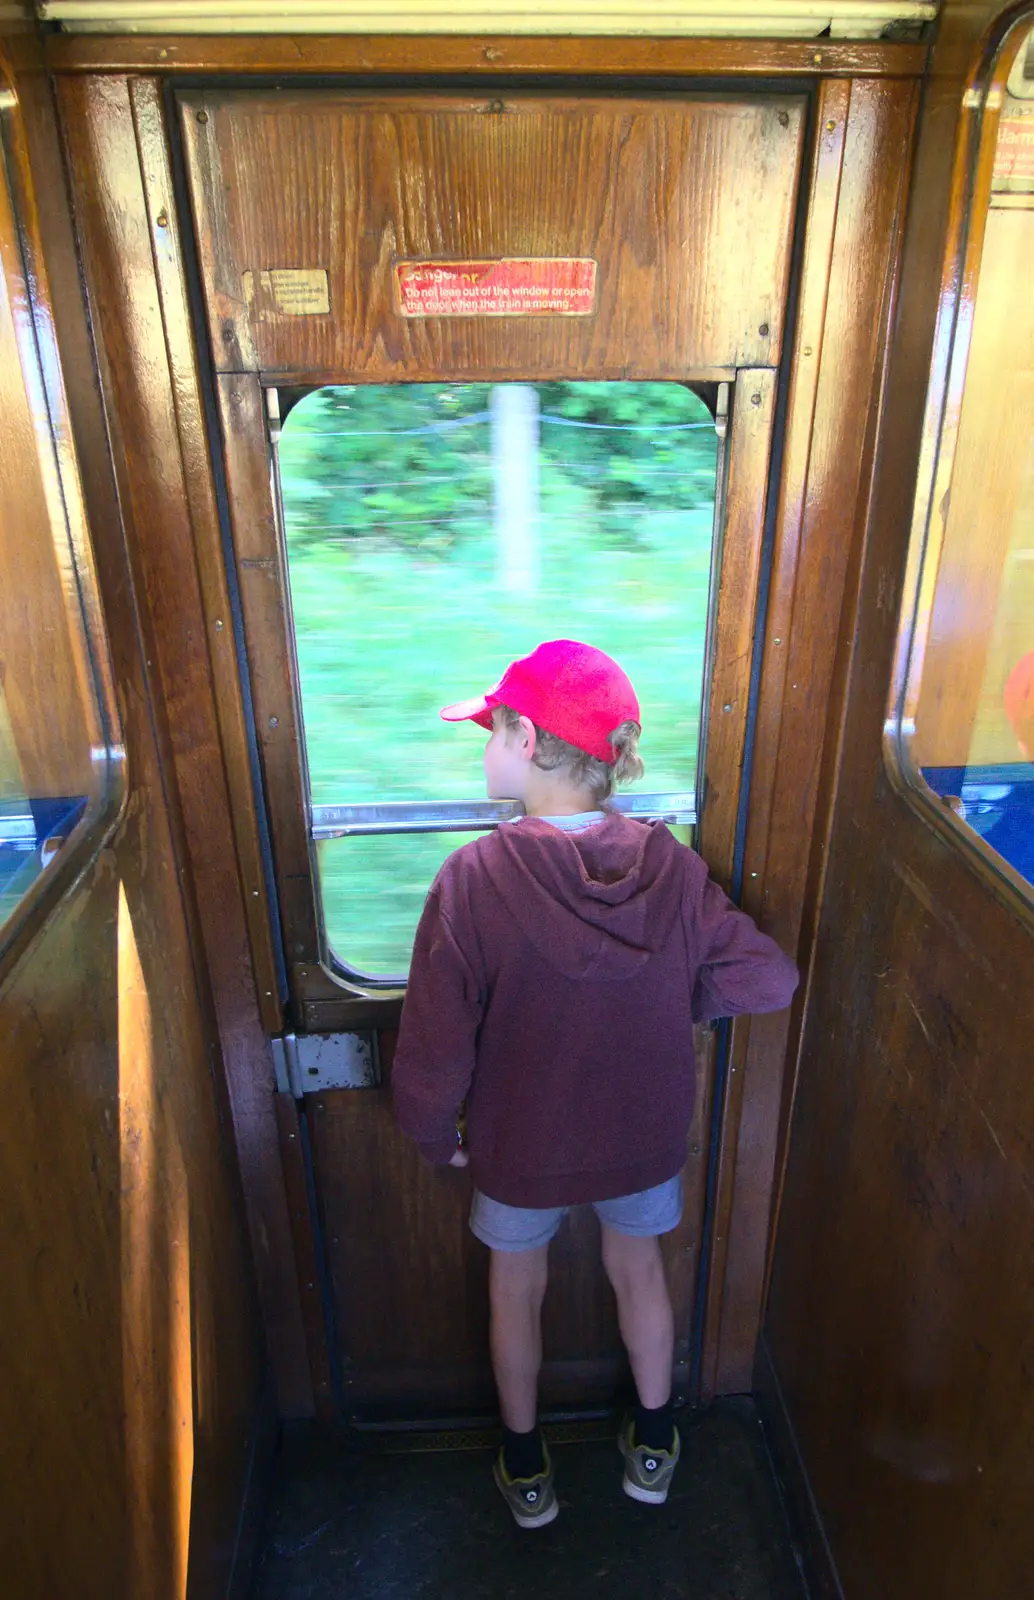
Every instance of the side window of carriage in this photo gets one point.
(59, 774)
(964, 723)
(433, 532)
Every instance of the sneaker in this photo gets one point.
(532, 1500)
(648, 1473)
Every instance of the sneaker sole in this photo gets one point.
(536, 1522)
(646, 1497)
(543, 1519)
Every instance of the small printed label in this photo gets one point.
(287, 291)
(1014, 155)
(522, 286)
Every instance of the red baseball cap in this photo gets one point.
(569, 689)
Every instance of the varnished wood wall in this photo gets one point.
(898, 1342)
(133, 237)
(122, 184)
(131, 1395)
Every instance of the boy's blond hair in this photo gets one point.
(553, 754)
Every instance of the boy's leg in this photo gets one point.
(522, 1471)
(636, 1271)
(517, 1284)
(518, 1239)
(649, 1440)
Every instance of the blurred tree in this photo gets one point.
(636, 446)
(406, 464)
(410, 465)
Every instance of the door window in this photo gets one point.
(433, 533)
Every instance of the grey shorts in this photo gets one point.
(513, 1228)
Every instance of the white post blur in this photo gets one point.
(514, 409)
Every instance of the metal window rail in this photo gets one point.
(472, 816)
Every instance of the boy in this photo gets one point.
(559, 965)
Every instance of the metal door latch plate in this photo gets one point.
(309, 1062)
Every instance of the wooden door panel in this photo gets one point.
(665, 194)
(662, 194)
(409, 1282)
(408, 1279)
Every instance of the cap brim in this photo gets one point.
(476, 710)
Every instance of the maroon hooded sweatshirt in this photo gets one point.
(555, 980)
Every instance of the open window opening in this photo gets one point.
(433, 533)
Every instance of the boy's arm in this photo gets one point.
(740, 968)
(434, 1058)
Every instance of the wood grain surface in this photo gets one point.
(129, 315)
(473, 168)
(855, 216)
(410, 1281)
(213, 587)
(266, 608)
(746, 497)
(486, 55)
(348, 185)
(245, 153)
(360, 1155)
(900, 1314)
(296, 1179)
(129, 1337)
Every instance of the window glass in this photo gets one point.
(54, 768)
(974, 699)
(17, 834)
(434, 532)
(32, 826)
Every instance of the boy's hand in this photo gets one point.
(460, 1159)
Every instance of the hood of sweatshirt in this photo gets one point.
(596, 904)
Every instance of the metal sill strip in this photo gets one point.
(472, 816)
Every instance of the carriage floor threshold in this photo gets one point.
(350, 1517)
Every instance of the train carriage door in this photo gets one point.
(487, 372)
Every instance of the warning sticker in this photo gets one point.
(289, 291)
(1014, 155)
(516, 286)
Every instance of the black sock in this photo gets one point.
(522, 1453)
(655, 1428)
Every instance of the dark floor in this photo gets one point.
(358, 1525)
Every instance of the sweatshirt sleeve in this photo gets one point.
(434, 1057)
(740, 968)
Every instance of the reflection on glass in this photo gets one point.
(50, 721)
(19, 862)
(35, 818)
(434, 532)
(974, 722)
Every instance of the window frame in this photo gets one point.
(982, 101)
(64, 518)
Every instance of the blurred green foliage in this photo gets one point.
(398, 608)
